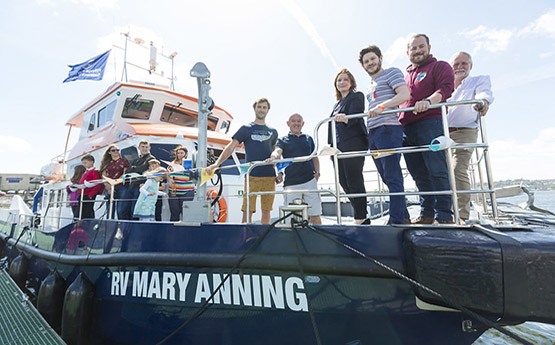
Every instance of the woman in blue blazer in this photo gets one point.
(351, 136)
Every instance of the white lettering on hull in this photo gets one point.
(247, 290)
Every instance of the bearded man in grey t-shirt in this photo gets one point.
(387, 90)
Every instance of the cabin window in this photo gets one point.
(225, 126)
(136, 108)
(130, 153)
(106, 114)
(92, 123)
(183, 117)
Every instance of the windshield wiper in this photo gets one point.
(131, 101)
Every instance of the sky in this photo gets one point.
(288, 51)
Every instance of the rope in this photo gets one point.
(205, 304)
(304, 224)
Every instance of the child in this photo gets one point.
(75, 193)
(89, 194)
(146, 203)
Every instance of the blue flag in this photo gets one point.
(92, 69)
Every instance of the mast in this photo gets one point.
(201, 72)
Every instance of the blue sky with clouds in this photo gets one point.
(288, 51)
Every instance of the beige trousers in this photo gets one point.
(461, 160)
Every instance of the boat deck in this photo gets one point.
(20, 322)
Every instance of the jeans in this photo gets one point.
(387, 137)
(120, 204)
(130, 204)
(428, 169)
(176, 204)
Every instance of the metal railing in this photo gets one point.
(411, 149)
(58, 202)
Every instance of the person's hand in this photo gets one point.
(421, 106)
(482, 109)
(316, 175)
(210, 168)
(270, 159)
(376, 111)
(279, 178)
(152, 194)
(341, 118)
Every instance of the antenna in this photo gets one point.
(152, 62)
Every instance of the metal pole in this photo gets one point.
(124, 72)
(201, 72)
(451, 171)
(111, 201)
(81, 205)
(336, 172)
(247, 192)
(59, 197)
(481, 177)
(172, 87)
(489, 172)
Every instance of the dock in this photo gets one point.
(20, 321)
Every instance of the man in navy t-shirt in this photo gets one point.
(300, 175)
(259, 141)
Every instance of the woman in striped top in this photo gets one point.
(181, 187)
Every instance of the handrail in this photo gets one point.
(340, 155)
(343, 155)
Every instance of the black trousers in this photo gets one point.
(352, 182)
(88, 208)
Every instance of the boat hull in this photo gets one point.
(293, 286)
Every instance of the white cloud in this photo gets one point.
(543, 26)
(489, 39)
(310, 29)
(534, 160)
(396, 53)
(11, 144)
(45, 2)
(99, 4)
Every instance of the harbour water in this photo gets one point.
(542, 198)
(536, 333)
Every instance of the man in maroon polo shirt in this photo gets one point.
(430, 81)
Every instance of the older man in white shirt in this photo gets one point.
(464, 121)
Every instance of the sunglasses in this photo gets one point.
(114, 150)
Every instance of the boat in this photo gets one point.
(199, 281)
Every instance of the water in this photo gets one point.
(542, 198)
(536, 333)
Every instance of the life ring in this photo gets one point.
(222, 205)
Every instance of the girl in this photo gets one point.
(75, 193)
(113, 166)
(146, 203)
(181, 186)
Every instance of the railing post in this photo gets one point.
(480, 175)
(488, 170)
(80, 205)
(111, 201)
(449, 160)
(59, 198)
(247, 191)
(336, 172)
